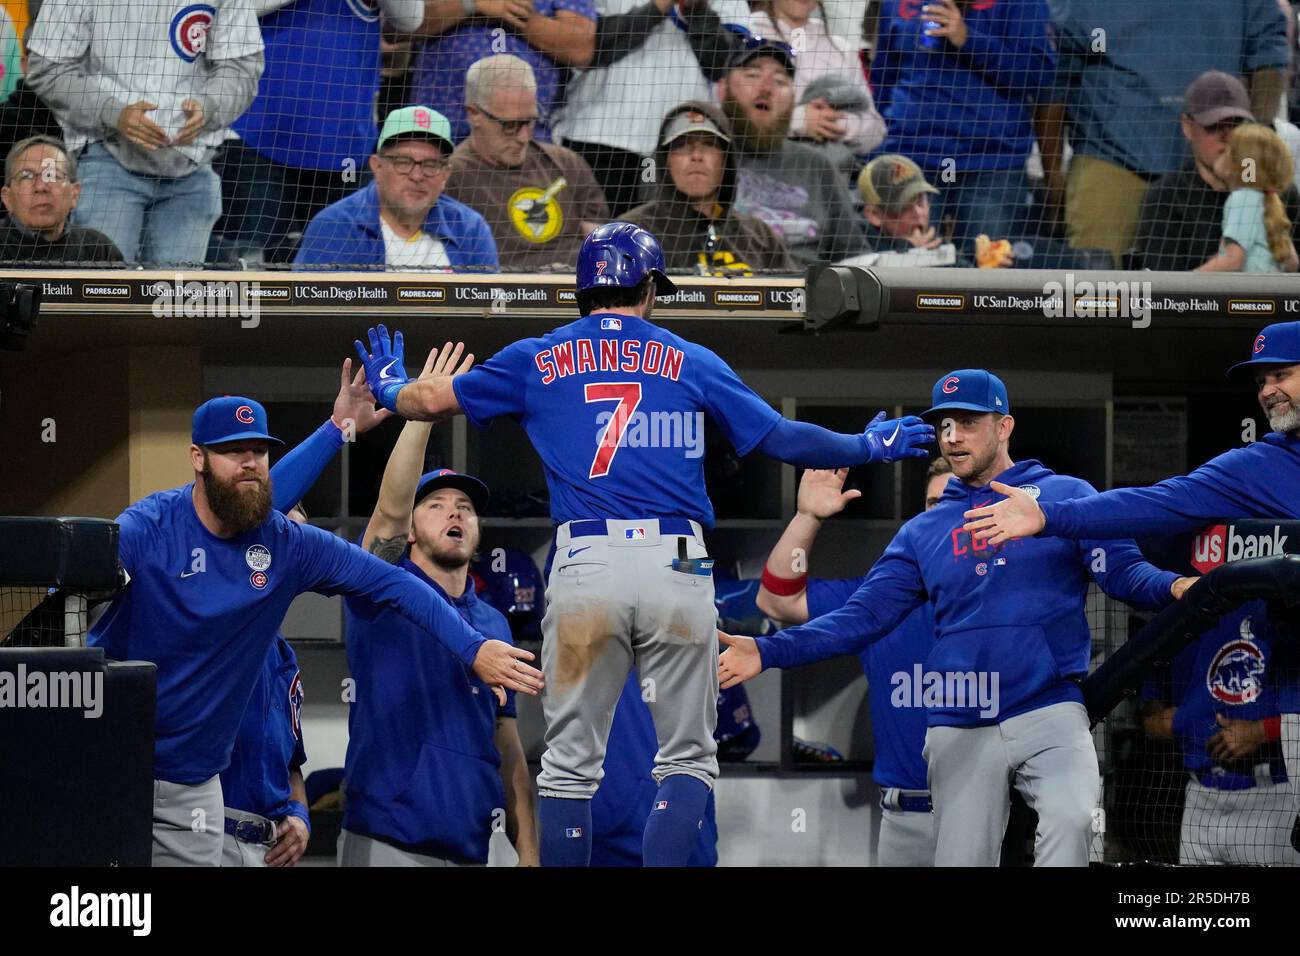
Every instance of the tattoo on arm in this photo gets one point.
(389, 549)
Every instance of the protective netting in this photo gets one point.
(750, 137)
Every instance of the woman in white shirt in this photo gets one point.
(840, 108)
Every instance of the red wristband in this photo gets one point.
(784, 587)
(1272, 728)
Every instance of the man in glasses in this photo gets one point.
(1182, 214)
(402, 220)
(540, 199)
(40, 192)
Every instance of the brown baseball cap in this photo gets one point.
(892, 181)
(1216, 96)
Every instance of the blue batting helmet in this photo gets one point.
(622, 254)
(510, 582)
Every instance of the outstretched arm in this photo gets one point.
(354, 414)
(426, 400)
(783, 595)
(386, 534)
(811, 446)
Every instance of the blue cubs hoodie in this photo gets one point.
(1013, 613)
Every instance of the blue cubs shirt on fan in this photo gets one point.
(315, 104)
(206, 610)
(898, 732)
(614, 411)
(1014, 612)
(422, 768)
(1228, 670)
(269, 743)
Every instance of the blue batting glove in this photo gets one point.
(897, 438)
(385, 366)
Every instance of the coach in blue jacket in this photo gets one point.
(402, 220)
(1002, 686)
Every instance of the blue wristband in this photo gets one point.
(387, 395)
(299, 810)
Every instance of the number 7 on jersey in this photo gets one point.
(628, 396)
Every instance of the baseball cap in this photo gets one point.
(969, 389)
(892, 181)
(229, 418)
(691, 121)
(1216, 96)
(416, 120)
(1277, 344)
(446, 478)
(752, 45)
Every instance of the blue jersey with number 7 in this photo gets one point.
(615, 406)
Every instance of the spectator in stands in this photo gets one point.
(650, 55)
(402, 220)
(896, 203)
(955, 82)
(1122, 65)
(551, 35)
(1282, 124)
(1256, 232)
(303, 142)
(145, 94)
(790, 186)
(40, 192)
(834, 105)
(24, 114)
(1181, 217)
(693, 217)
(540, 199)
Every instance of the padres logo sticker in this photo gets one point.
(367, 10)
(189, 30)
(535, 213)
(258, 579)
(258, 558)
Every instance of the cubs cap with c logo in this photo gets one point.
(230, 418)
(475, 489)
(971, 390)
(1276, 344)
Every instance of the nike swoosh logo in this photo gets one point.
(573, 551)
(188, 574)
(383, 372)
(890, 440)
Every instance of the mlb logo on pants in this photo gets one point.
(573, 832)
(633, 534)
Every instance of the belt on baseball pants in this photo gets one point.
(1263, 772)
(908, 801)
(251, 828)
(596, 527)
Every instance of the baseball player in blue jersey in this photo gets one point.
(1218, 702)
(906, 835)
(212, 571)
(265, 797)
(1002, 685)
(1260, 480)
(611, 403)
(434, 760)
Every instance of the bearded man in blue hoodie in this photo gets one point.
(1002, 687)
